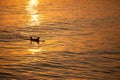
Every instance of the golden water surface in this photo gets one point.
(81, 39)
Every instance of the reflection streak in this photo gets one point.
(36, 50)
(33, 12)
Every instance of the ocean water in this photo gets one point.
(82, 40)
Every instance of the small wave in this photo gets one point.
(8, 36)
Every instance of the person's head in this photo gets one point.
(30, 37)
(38, 38)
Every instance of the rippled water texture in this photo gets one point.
(82, 40)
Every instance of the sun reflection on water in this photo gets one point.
(32, 10)
(36, 50)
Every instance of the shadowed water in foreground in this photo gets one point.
(81, 40)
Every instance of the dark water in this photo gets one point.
(82, 40)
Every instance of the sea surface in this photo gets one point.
(81, 40)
